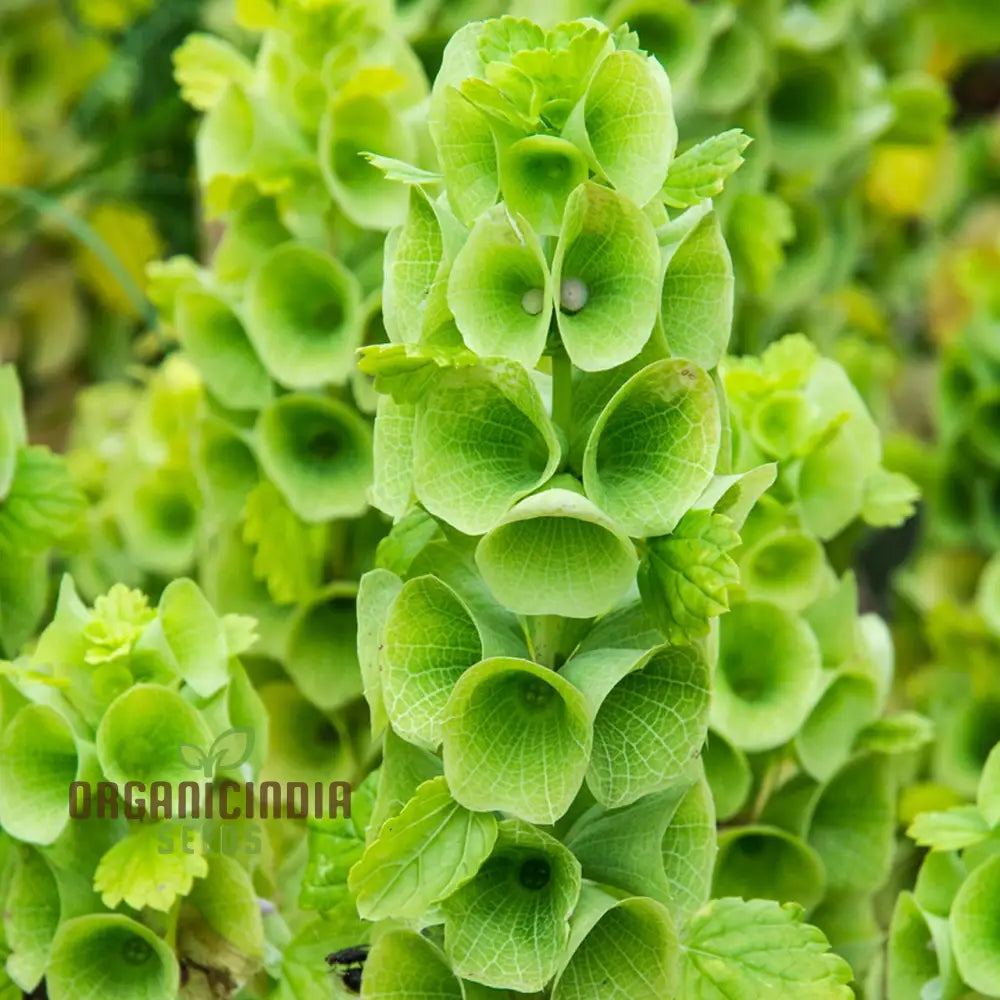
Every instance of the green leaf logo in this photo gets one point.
(229, 750)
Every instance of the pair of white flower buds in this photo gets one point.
(573, 295)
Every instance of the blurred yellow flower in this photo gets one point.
(131, 235)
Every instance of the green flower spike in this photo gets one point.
(302, 312)
(317, 452)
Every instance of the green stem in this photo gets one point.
(89, 238)
(562, 392)
(545, 633)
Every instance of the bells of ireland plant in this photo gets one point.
(118, 728)
(565, 707)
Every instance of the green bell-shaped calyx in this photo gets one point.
(537, 175)
(555, 553)
(318, 452)
(352, 126)
(509, 926)
(404, 963)
(499, 289)
(41, 758)
(625, 122)
(762, 862)
(429, 639)
(217, 343)
(766, 678)
(650, 717)
(517, 737)
(662, 846)
(302, 311)
(142, 733)
(482, 440)
(114, 955)
(627, 949)
(607, 275)
(653, 449)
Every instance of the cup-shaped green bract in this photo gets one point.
(852, 824)
(242, 138)
(303, 316)
(499, 289)
(31, 918)
(975, 928)
(405, 963)
(13, 432)
(766, 678)
(670, 30)
(653, 449)
(509, 926)
(428, 641)
(417, 258)
(651, 716)
(306, 744)
(142, 735)
(965, 737)
(225, 467)
(555, 553)
(763, 862)
(113, 956)
(624, 949)
(696, 301)
(628, 124)
(482, 440)
(728, 773)
(850, 702)
(808, 111)
(39, 759)
(318, 452)
(736, 62)
(365, 124)
(517, 738)
(606, 276)
(787, 568)
(254, 229)
(321, 656)
(662, 846)
(159, 517)
(214, 337)
(537, 175)
(913, 960)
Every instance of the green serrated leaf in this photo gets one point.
(759, 948)
(685, 576)
(701, 171)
